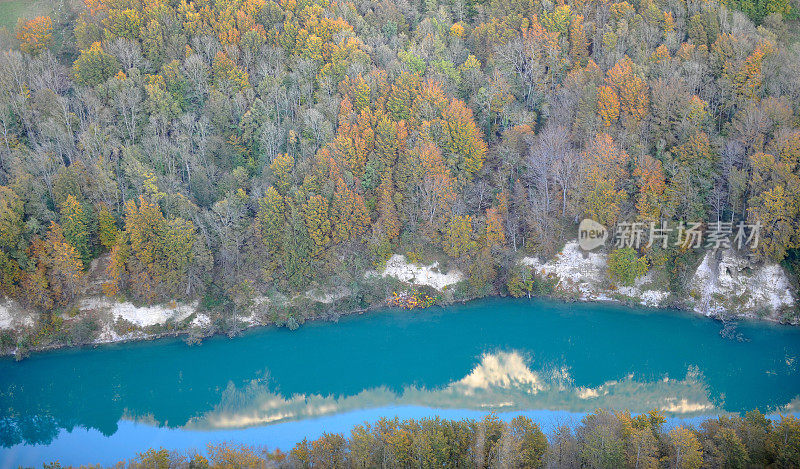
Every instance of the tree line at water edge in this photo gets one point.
(602, 439)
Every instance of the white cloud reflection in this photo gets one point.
(504, 370)
(502, 381)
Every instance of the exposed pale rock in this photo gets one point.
(13, 316)
(640, 291)
(723, 282)
(727, 281)
(586, 274)
(141, 316)
(577, 271)
(398, 267)
(5, 317)
(202, 321)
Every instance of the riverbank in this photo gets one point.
(723, 286)
(505, 356)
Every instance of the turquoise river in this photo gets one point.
(549, 360)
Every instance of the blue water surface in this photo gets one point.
(549, 360)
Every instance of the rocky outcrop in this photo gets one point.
(726, 282)
(428, 275)
(585, 275)
(141, 316)
(578, 272)
(13, 316)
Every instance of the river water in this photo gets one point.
(552, 361)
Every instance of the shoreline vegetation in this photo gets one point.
(572, 275)
(603, 439)
(191, 336)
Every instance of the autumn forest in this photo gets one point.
(227, 149)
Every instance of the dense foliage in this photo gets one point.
(625, 266)
(602, 440)
(244, 147)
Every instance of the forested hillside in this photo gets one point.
(233, 148)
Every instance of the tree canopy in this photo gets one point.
(293, 144)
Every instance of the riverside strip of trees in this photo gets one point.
(602, 440)
(234, 148)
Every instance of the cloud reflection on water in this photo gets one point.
(502, 381)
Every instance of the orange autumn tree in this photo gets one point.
(370, 163)
(579, 48)
(355, 138)
(494, 233)
(748, 80)
(375, 118)
(58, 277)
(388, 223)
(348, 212)
(462, 140)
(696, 150)
(95, 6)
(227, 75)
(651, 184)
(401, 97)
(542, 47)
(607, 105)
(633, 92)
(35, 35)
(602, 189)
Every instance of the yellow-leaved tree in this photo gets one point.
(35, 35)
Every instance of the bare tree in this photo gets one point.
(128, 52)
